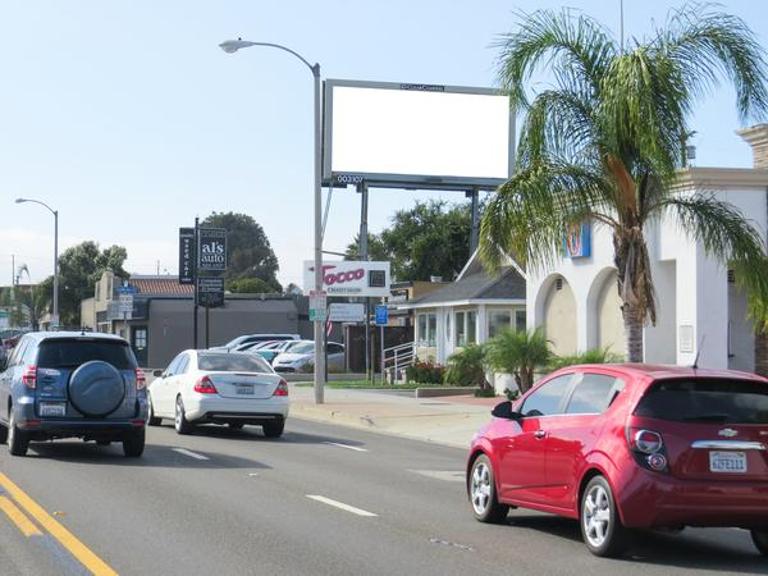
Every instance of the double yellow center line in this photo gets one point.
(68, 540)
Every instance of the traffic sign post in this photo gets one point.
(382, 319)
(318, 306)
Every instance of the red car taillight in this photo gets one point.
(29, 377)
(205, 386)
(648, 448)
(141, 380)
(282, 389)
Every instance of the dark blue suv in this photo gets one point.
(72, 384)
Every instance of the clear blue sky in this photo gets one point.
(128, 118)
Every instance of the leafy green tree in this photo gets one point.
(376, 249)
(250, 286)
(80, 267)
(430, 239)
(250, 254)
(604, 145)
(518, 353)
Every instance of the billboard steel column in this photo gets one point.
(363, 189)
(195, 274)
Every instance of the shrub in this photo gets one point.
(467, 367)
(519, 354)
(591, 356)
(425, 373)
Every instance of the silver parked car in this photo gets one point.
(301, 357)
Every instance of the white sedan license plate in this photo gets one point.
(53, 409)
(728, 462)
(245, 389)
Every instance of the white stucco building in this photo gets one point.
(698, 303)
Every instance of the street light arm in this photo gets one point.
(232, 46)
(22, 200)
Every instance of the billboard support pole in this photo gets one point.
(195, 275)
(475, 227)
(362, 188)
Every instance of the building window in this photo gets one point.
(466, 328)
(520, 321)
(448, 326)
(498, 321)
(471, 327)
(461, 330)
(427, 329)
(98, 291)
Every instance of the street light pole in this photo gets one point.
(230, 47)
(55, 253)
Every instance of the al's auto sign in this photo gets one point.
(350, 278)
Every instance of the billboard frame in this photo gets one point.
(413, 181)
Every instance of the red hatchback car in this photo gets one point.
(629, 446)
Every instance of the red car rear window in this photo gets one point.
(719, 401)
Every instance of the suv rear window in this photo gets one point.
(706, 400)
(60, 353)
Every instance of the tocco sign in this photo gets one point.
(350, 278)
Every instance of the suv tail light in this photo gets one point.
(648, 448)
(204, 385)
(282, 389)
(29, 377)
(141, 380)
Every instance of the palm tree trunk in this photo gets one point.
(633, 329)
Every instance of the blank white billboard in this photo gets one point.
(417, 133)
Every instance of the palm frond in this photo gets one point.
(580, 48)
(704, 45)
(558, 125)
(529, 214)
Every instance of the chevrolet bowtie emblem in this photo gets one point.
(727, 432)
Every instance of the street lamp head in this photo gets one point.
(232, 46)
(20, 200)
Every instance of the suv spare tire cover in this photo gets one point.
(96, 388)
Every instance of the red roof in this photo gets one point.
(164, 285)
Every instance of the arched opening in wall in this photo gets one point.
(560, 317)
(610, 323)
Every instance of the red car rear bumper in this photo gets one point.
(649, 500)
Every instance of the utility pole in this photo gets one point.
(195, 274)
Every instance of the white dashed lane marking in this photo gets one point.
(445, 475)
(347, 446)
(341, 506)
(191, 454)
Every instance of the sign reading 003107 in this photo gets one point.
(212, 252)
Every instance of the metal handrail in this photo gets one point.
(397, 358)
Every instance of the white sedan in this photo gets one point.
(202, 386)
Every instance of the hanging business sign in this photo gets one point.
(577, 241)
(210, 292)
(186, 255)
(212, 255)
(350, 278)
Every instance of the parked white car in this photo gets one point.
(203, 386)
(301, 357)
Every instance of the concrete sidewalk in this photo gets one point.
(450, 421)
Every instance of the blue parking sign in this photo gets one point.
(382, 315)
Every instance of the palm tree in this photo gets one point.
(518, 353)
(605, 143)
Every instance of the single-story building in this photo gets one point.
(474, 308)
(700, 308)
(161, 321)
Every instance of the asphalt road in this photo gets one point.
(322, 500)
